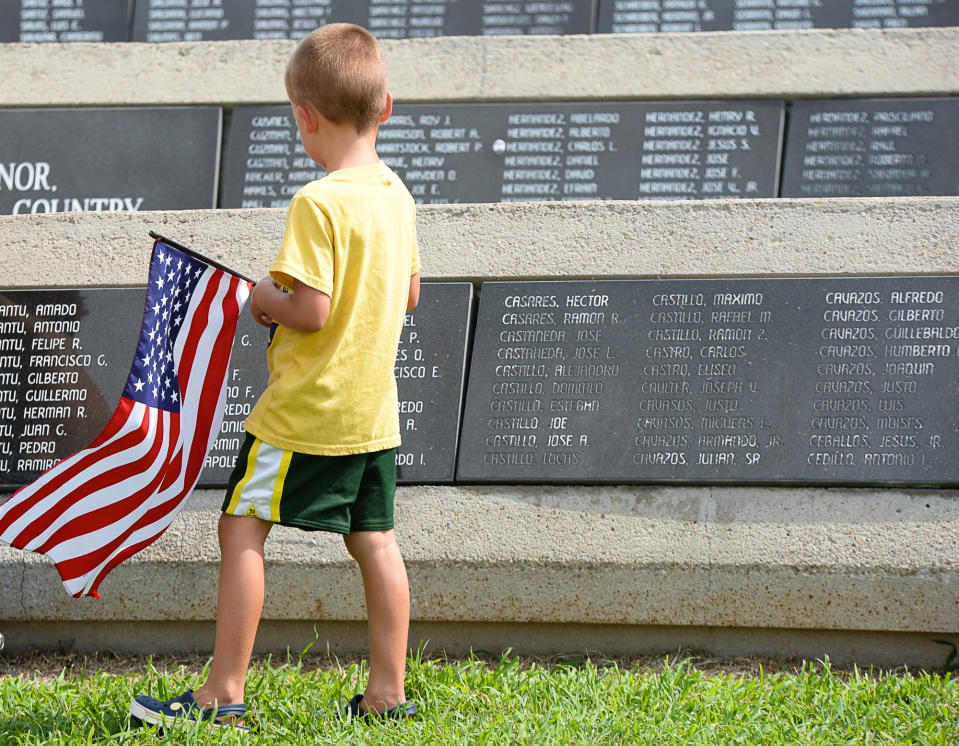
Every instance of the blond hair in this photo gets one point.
(339, 69)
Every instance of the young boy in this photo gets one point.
(321, 444)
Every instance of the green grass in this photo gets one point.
(508, 701)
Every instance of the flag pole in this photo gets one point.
(197, 254)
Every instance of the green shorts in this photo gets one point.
(315, 493)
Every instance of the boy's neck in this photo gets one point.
(352, 159)
(345, 149)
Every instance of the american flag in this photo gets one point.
(105, 503)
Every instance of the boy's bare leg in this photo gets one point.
(238, 608)
(388, 606)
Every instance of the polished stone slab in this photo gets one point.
(743, 381)
(115, 159)
(872, 148)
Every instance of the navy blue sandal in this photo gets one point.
(403, 711)
(184, 710)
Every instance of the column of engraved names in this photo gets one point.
(731, 432)
(184, 20)
(762, 15)
(880, 349)
(423, 149)
(276, 165)
(13, 322)
(917, 337)
(665, 405)
(591, 134)
(242, 391)
(528, 343)
(42, 382)
(866, 153)
(534, 148)
(842, 425)
(891, 13)
(56, 20)
(272, 19)
(697, 154)
(552, 369)
(585, 376)
(306, 15)
(414, 374)
(653, 16)
(526, 18)
(402, 19)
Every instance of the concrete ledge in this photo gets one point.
(907, 235)
(764, 64)
(876, 560)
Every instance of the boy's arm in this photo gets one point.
(306, 309)
(414, 296)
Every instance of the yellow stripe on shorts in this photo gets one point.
(278, 486)
(250, 465)
(258, 493)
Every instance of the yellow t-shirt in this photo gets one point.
(351, 235)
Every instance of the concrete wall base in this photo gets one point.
(843, 647)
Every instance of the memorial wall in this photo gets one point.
(747, 381)
(214, 20)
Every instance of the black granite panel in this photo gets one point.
(201, 20)
(524, 152)
(144, 158)
(787, 381)
(430, 374)
(65, 357)
(65, 20)
(872, 148)
(629, 16)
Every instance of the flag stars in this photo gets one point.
(139, 385)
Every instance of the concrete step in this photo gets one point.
(755, 64)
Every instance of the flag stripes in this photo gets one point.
(103, 504)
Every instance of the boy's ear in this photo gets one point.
(388, 109)
(308, 114)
